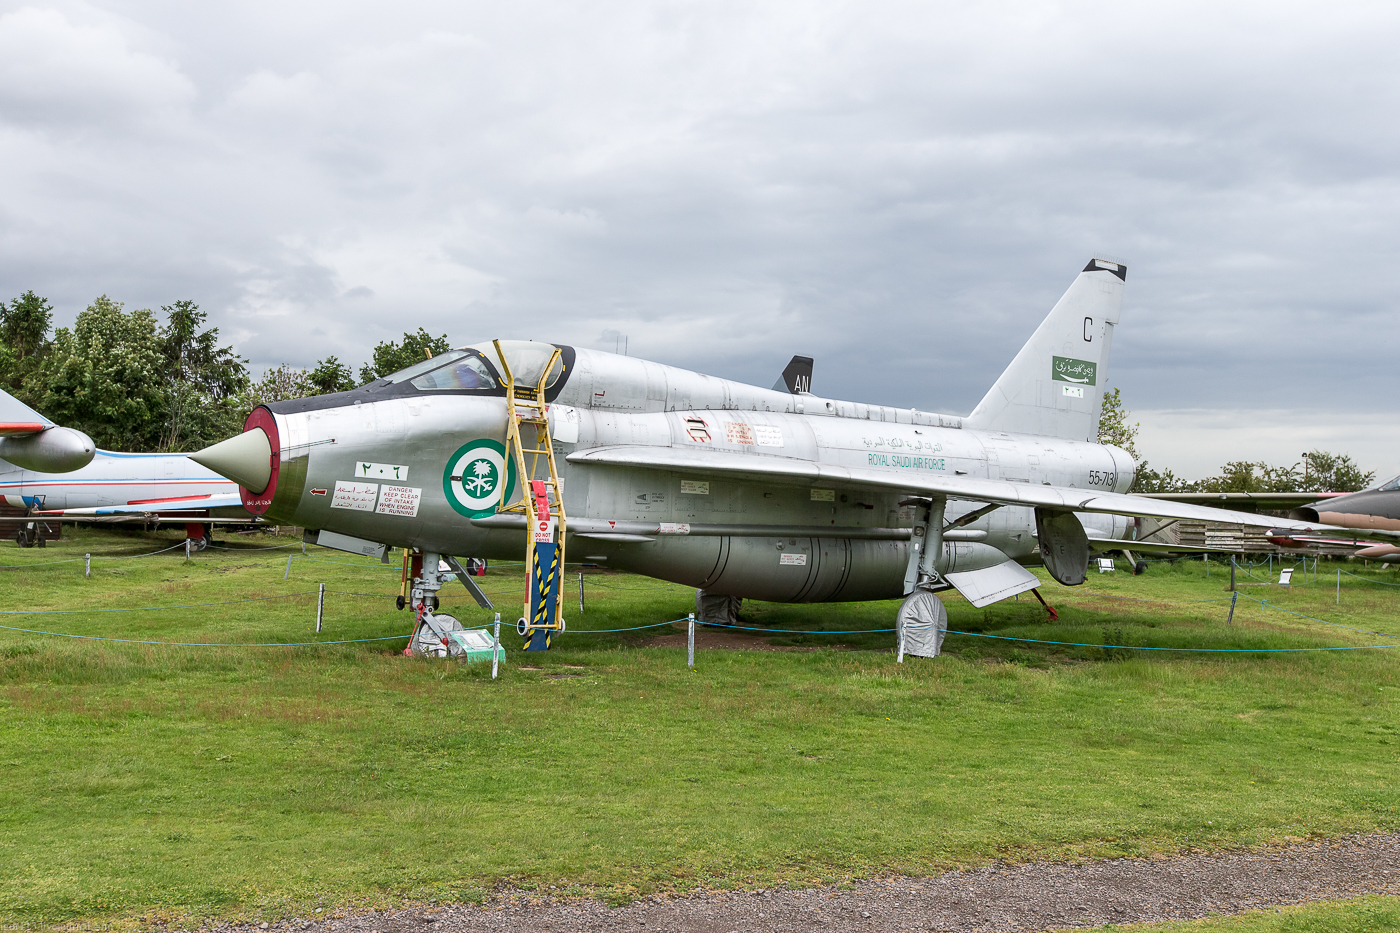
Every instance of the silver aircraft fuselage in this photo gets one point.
(743, 537)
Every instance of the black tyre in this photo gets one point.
(1140, 568)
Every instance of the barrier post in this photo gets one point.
(580, 592)
(187, 549)
(289, 567)
(320, 605)
(1339, 586)
(87, 567)
(1230, 620)
(1207, 566)
(1232, 573)
(690, 642)
(899, 643)
(496, 648)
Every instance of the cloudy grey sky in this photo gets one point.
(901, 190)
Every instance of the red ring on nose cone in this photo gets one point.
(259, 502)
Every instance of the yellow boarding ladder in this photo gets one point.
(539, 497)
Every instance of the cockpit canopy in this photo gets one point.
(470, 370)
(455, 369)
(478, 367)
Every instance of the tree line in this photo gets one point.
(134, 382)
(1317, 471)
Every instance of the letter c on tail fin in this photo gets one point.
(1054, 386)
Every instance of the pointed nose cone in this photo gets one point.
(245, 459)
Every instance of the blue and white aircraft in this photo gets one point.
(57, 473)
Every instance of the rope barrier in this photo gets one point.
(43, 563)
(1368, 579)
(228, 602)
(1074, 644)
(1364, 631)
(277, 547)
(635, 628)
(790, 631)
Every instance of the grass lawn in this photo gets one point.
(144, 781)
(1358, 915)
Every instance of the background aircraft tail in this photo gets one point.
(13, 412)
(1055, 384)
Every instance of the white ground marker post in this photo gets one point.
(690, 642)
(320, 605)
(289, 567)
(580, 592)
(87, 567)
(187, 549)
(496, 648)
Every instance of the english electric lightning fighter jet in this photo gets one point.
(739, 491)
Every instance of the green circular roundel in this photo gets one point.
(476, 478)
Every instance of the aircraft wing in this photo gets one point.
(788, 471)
(1243, 501)
(173, 507)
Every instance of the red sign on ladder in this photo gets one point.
(541, 490)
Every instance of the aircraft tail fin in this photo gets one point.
(796, 377)
(1054, 386)
(18, 418)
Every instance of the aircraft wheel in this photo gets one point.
(22, 538)
(400, 602)
(39, 540)
(1140, 568)
(428, 644)
(201, 544)
(520, 627)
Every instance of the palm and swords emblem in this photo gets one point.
(482, 480)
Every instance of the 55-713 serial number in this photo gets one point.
(1100, 478)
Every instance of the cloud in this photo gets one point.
(58, 74)
(897, 189)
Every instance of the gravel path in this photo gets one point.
(1039, 896)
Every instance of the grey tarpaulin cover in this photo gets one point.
(713, 609)
(923, 622)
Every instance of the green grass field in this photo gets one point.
(145, 781)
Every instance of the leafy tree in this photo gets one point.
(390, 357)
(1329, 472)
(24, 330)
(1113, 424)
(1150, 480)
(106, 377)
(277, 385)
(331, 375)
(24, 324)
(1247, 476)
(203, 380)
